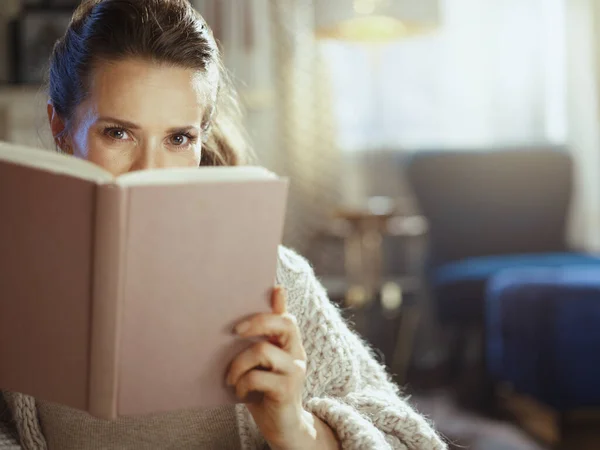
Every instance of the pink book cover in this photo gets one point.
(120, 298)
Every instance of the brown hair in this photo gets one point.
(162, 31)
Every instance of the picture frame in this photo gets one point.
(34, 35)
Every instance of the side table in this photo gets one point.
(363, 260)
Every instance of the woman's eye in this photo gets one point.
(117, 134)
(180, 140)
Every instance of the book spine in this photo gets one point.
(109, 259)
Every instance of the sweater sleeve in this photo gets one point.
(346, 387)
(8, 438)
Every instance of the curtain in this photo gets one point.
(583, 88)
(270, 50)
(306, 145)
(244, 33)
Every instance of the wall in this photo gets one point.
(23, 113)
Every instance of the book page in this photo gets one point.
(194, 175)
(55, 162)
(78, 168)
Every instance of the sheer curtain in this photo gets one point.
(244, 31)
(583, 88)
(270, 49)
(306, 143)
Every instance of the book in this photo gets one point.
(118, 295)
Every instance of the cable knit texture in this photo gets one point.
(26, 421)
(345, 386)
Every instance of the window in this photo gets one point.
(493, 74)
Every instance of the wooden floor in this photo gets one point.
(580, 430)
(531, 427)
(468, 430)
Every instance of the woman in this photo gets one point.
(138, 84)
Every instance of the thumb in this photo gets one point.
(279, 300)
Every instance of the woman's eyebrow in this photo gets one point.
(182, 129)
(123, 123)
(133, 126)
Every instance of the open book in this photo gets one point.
(118, 296)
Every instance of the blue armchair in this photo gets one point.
(489, 211)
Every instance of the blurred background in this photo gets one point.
(444, 158)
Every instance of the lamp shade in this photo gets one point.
(374, 20)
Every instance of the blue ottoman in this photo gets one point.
(543, 334)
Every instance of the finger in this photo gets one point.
(265, 355)
(279, 300)
(274, 386)
(282, 330)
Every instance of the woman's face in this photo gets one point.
(138, 115)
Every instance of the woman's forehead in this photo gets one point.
(149, 93)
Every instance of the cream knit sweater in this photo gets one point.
(345, 386)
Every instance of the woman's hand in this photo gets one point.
(276, 368)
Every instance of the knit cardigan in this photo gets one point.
(345, 386)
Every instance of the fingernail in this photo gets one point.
(242, 327)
